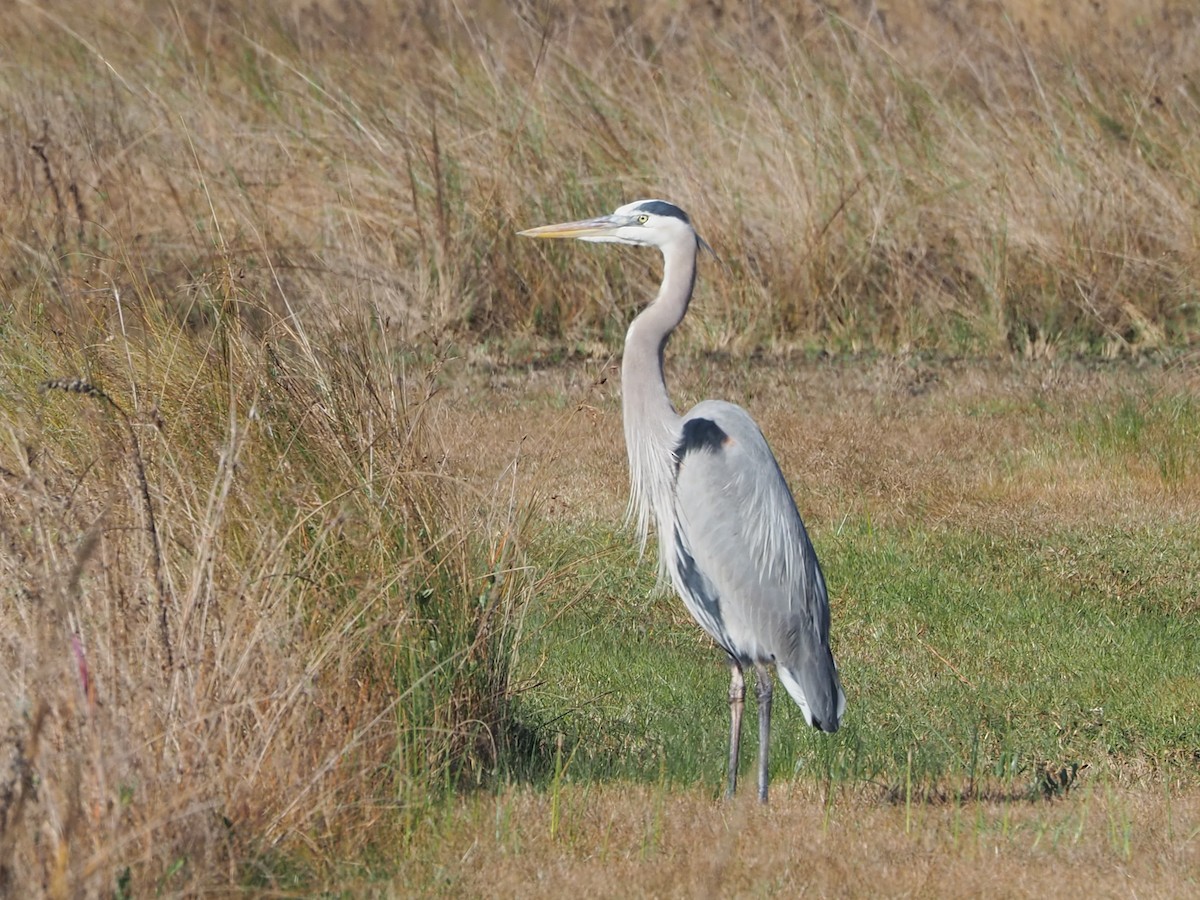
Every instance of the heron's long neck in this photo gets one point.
(652, 427)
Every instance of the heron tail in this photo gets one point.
(815, 686)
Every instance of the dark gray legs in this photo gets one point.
(737, 702)
(765, 686)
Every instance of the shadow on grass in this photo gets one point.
(1041, 783)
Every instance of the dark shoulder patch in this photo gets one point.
(662, 208)
(699, 434)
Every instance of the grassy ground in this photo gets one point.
(311, 473)
(1013, 570)
(651, 841)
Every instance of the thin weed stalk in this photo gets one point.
(84, 388)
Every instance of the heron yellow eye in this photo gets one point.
(643, 219)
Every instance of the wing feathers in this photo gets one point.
(743, 562)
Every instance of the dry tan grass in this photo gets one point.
(648, 842)
(959, 178)
(260, 231)
(973, 444)
(267, 632)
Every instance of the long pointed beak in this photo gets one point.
(584, 228)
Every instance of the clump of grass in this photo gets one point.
(79, 386)
(316, 644)
(1150, 435)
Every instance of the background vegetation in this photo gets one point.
(280, 574)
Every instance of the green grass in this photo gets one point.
(972, 661)
(1157, 432)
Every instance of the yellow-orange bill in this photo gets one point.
(582, 228)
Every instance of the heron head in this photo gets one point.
(643, 223)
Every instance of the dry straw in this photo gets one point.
(310, 217)
(86, 389)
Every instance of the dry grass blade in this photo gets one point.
(84, 388)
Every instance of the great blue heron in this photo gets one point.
(729, 535)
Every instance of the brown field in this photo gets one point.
(969, 443)
(621, 842)
(296, 433)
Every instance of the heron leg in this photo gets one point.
(765, 687)
(737, 700)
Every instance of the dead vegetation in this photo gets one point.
(653, 843)
(253, 618)
(258, 601)
(989, 178)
